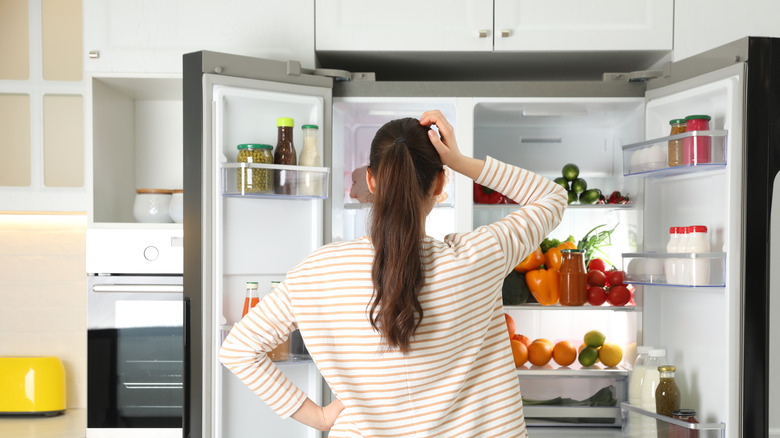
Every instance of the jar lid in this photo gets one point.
(697, 117)
(310, 127)
(154, 191)
(577, 251)
(667, 368)
(643, 349)
(254, 146)
(676, 121)
(657, 352)
(252, 284)
(698, 229)
(684, 412)
(285, 122)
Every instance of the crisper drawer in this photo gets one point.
(587, 397)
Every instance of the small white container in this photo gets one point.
(176, 208)
(152, 206)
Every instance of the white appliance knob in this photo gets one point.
(151, 253)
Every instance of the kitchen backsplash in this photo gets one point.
(43, 293)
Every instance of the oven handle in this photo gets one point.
(143, 288)
(154, 385)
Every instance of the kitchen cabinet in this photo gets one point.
(503, 25)
(151, 36)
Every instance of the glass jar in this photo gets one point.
(253, 180)
(573, 278)
(285, 181)
(675, 152)
(251, 299)
(309, 183)
(282, 351)
(687, 415)
(667, 394)
(697, 149)
(152, 205)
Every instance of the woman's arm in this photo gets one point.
(318, 417)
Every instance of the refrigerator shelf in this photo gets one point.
(568, 416)
(367, 205)
(585, 308)
(574, 370)
(710, 429)
(512, 207)
(705, 151)
(310, 182)
(707, 269)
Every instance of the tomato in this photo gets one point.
(596, 278)
(596, 295)
(618, 295)
(615, 277)
(597, 265)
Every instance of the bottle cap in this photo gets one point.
(667, 368)
(657, 352)
(309, 127)
(684, 412)
(676, 121)
(571, 250)
(698, 229)
(254, 146)
(285, 122)
(673, 230)
(643, 349)
(698, 116)
(251, 284)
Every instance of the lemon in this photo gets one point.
(610, 354)
(588, 356)
(594, 338)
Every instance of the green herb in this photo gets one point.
(594, 241)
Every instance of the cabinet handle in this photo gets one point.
(505, 33)
(94, 54)
(483, 33)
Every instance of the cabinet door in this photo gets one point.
(150, 36)
(576, 25)
(405, 25)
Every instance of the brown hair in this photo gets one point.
(404, 165)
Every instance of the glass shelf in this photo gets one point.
(705, 151)
(512, 207)
(573, 370)
(238, 180)
(705, 269)
(585, 308)
(674, 427)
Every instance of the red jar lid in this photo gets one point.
(698, 229)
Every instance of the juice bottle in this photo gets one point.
(251, 298)
(573, 278)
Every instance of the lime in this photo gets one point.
(563, 182)
(589, 196)
(572, 196)
(588, 356)
(594, 338)
(570, 171)
(579, 185)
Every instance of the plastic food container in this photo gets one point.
(152, 205)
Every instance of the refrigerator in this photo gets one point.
(715, 332)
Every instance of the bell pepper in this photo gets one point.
(484, 195)
(568, 245)
(543, 284)
(552, 258)
(533, 261)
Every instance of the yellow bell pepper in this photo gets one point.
(553, 257)
(544, 284)
(533, 261)
(567, 245)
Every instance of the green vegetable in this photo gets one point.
(579, 185)
(591, 244)
(515, 290)
(548, 243)
(563, 182)
(605, 397)
(570, 171)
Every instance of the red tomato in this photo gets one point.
(596, 278)
(618, 295)
(597, 265)
(615, 277)
(596, 295)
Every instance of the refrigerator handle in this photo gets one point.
(186, 369)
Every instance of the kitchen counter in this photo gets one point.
(71, 424)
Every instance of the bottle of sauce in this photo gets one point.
(697, 149)
(650, 381)
(251, 298)
(282, 351)
(667, 394)
(309, 183)
(675, 148)
(285, 181)
(698, 243)
(687, 415)
(573, 278)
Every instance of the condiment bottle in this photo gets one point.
(676, 147)
(253, 180)
(697, 242)
(697, 149)
(573, 278)
(650, 381)
(687, 415)
(282, 351)
(309, 183)
(667, 394)
(251, 298)
(671, 268)
(285, 181)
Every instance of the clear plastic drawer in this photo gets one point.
(705, 269)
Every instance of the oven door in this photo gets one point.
(134, 354)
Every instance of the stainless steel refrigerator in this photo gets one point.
(715, 332)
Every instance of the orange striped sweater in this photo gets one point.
(459, 378)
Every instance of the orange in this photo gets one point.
(564, 353)
(510, 325)
(519, 353)
(546, 341)
(525, 340)
(539, 353)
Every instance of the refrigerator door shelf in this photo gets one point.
(237, 180)
(703, 430)
(583, 308)
(706, 269)
(702, 151)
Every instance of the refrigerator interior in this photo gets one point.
(355, 121)
(700, 326)
(260, 239)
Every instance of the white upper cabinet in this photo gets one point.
(520, 25)
(405, 25)
(150, 36)
(577, 25)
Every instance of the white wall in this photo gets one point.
(700, 25)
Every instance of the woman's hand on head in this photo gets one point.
(447, 146)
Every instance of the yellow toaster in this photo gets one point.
(32, 385)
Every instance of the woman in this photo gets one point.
(409, 332)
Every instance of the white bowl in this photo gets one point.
(152, 206)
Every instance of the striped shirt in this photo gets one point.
(459, 378)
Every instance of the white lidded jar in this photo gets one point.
(152, 206)
(671, 264)
(698, 243)
(683, 265)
